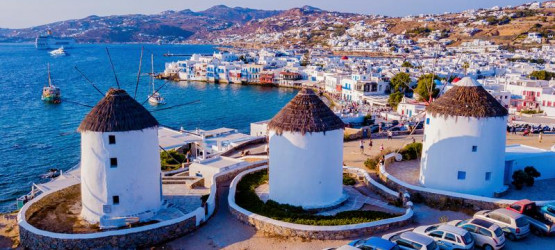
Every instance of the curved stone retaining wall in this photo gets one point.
(138, 237)
(281, 228)
(433, 197)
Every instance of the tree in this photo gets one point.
(400, 82)
(425, 84)
(407, 64)
(399, 85)
(394, 99)
(542, 75)
(465, 66)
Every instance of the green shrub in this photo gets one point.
(519, 178)
(171, 160)
(411, 151)
(247, 199)
(348, 180)
(372, 163)
(532, 174)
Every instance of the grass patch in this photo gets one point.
(247, 199)
(171, 160)
(348, 180)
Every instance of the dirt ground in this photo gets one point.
(9, 232)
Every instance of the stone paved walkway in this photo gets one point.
(355, 201)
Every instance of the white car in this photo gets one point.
(447, 236)
(408, 240)
(514, 225)
(487, 235)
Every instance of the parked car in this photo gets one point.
(549, 212)
(514, 225)
(408, 240)
(541, 221)
(374, 243)
(487, 235)
(448, 237)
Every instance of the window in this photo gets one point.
(461, 175)
(450, 237)
(485, 232)
(115, 199)
(112, 139)
(436, 234)
(113, 162)
(427, 121)
(470, 228)
(474, 148)
(488, 176)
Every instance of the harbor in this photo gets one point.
(40, 136)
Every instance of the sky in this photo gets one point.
(28, 13)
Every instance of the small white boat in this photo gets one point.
(58, 52)
(155, 98)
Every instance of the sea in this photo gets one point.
(36, 136)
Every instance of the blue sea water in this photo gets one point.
(36, 136)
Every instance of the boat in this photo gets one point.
(51, 93)
(58, 52)
(155, 98)
(50, 42)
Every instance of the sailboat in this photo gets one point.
(155, 98)
(51, 93)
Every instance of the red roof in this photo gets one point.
(344, 58)
(456, 80)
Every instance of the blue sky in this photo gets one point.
(26, 13)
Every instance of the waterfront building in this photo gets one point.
(467, 126)
(120, 162)
(306, 153)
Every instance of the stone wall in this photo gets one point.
(438, 198)
(280, 228)
(132, 240)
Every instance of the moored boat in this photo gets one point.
(51, 93)
(155, 98)
(58, 52)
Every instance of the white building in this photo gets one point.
(120, 162)
(306, 154)
(464, 141)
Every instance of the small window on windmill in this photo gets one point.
(461, 175)
(488, 176)
(115, 199)
(427, 121)
(474, 148)
(112, 139)
(113, 162)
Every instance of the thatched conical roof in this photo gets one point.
(305, 113)
(117, 112)
(469, 99)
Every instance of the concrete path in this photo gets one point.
(357, 200)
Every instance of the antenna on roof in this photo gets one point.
(139, 73)
(112, 64)
(86, 78)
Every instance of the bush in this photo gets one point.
(348, 180)
(247, 199)
(171, 160)
(519, 178)
(372, 163)
(411, 151)
(532, 174)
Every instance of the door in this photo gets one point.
(508, 172)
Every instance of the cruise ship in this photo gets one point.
(50, 42)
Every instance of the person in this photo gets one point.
(370, 144)
(389, 135)
(381, 147)
(188, 155)
(413, 140)
(540, 136)
(362, 146)
(513, 129)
